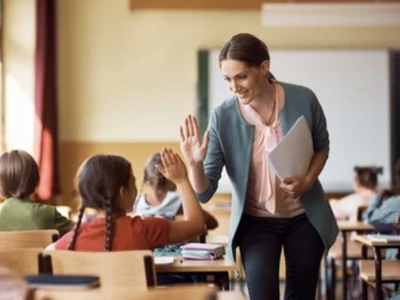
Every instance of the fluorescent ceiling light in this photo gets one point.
(330, 14)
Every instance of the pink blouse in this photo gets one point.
(264, 198)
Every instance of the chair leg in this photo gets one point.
(327, 277)
(333, 279)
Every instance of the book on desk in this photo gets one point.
(201, 251)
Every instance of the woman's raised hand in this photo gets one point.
(193, 147)
(172, 166)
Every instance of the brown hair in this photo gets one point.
(98, 183)
(151, 175)
(368, 176)
(19, 174)
(248, 49)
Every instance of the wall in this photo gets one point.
(18, 71)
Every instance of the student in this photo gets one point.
(106, 183)
(19, 178)
(267, 214)
(160, 198)
(385, 207)
(364, 185)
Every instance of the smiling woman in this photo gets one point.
(341, 79)
(268, 214)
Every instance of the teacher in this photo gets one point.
(267, 214)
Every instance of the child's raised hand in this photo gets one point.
(173, 167)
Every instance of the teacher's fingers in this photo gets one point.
(182, 134)
(196, 128)
(187, 131)
(191, 125)
(206, 139)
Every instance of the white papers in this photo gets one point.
(386, 238)
(163, 260)
(292, 156)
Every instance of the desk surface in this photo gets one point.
(203, 266)
(354, 226)
(369, 242)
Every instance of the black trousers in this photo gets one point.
(261, 240)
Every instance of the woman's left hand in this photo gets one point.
(295, 186)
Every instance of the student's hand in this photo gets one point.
(192, 146)
(172, 166)
(295, 186)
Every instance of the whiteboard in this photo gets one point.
(353, 87)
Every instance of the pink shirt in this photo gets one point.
(264, 198)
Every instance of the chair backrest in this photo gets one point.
(194, 292)
(21, 261)
(27, 239)
(132, 269)
(360, 211)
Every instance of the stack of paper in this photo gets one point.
(202, 251)
(292, 156)
(386, 238)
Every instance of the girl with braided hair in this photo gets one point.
(106, 183)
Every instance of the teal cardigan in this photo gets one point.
(230, 145)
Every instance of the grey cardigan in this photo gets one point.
(231, 139)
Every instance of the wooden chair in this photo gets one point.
(27, 239)
(120, 269)
(22, 261)
(194, 292)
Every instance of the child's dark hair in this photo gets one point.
(152, 176)
(368, 176)
(98, 183)
(19, 174)
(248, 49)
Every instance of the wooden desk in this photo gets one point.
(219, 268)
(377, 246)
(344, 228)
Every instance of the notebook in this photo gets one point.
(202, 251)
(63, 281)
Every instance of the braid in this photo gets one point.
(109, 224)
(71, 245)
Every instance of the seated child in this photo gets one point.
(364, 185)
(106, 183)
(385, 206)
(19, 178)
(160, 198)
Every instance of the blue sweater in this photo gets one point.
(231, 140)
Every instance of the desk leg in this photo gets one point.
(364, 286)
(222, 278)
(378, 273)
(344, 263)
